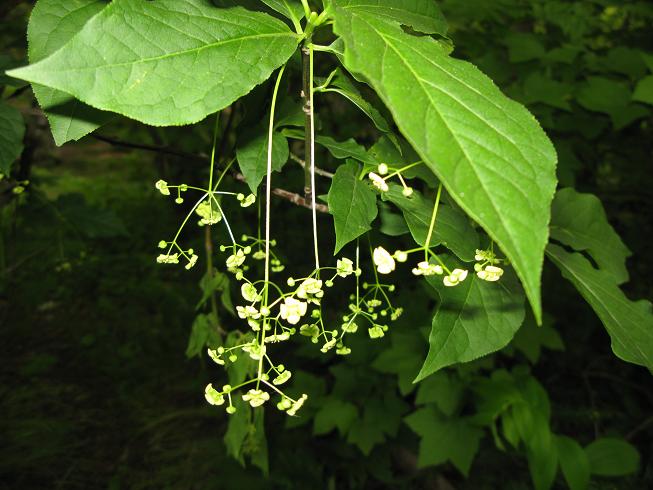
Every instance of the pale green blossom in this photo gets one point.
(249, 292)
(297, 405)
(213, 396)
(162, 186)
(344, 267)
(282, 378)
(256, 398)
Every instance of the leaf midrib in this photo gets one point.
(177, 53)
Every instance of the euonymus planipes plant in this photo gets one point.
(470, 173)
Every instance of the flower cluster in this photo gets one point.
(486, 265)
(384, 172)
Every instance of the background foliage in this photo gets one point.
(97, 388)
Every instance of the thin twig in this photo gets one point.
(318, 171)
(282, 193)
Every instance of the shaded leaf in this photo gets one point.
(629, 323)
(442, 440)
(574, 463)
(352, 203)
(612, 457)
(253, 157)
(12, 130)
(579, 221)
(452, 228)
(473, 319)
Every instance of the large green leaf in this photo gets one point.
(12, 130)
(489, 152)
(452, 228)
(422, 15)
(610, 456)
(644, 90)
(473, 319)
(579, 221)
(352, 203)
(629, 323)
(52, 24)
(253, 157)
(168, 62)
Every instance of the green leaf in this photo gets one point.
(612, 457)
(644, 90)
(473, 319)
(543, 89)
(12, 130)
(442, 389)
(341, 84)
(488, 151)
(524, 46)
(530, 339)
(402, 358)
(52, 24)
(339, 149)
(452, 228)
(422, 15)
(574, 463)
(334, 413)
(177, 60)
(253, 157)
(579, 221)
(352, 203)
(238, 427)
(199, 335)
(629, 323)
(444, 440)
(92, 221)
(610, 97)
(289, 8)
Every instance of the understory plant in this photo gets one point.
(456, 194)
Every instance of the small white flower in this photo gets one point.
(213, 396)
(400, 256)
(309, 286)
(255, 351)
(216, 356)
(282, 378)
(247, 312)
(292, 310)
(280, 337)
(256, 398)
(378, 182)
(384, 262)
(162, 186)
(344, 267)
(456, 277)
(382, 168)
(426, 269)
(247, 201)
(297, 405)
(491, 273)
(249, 292)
